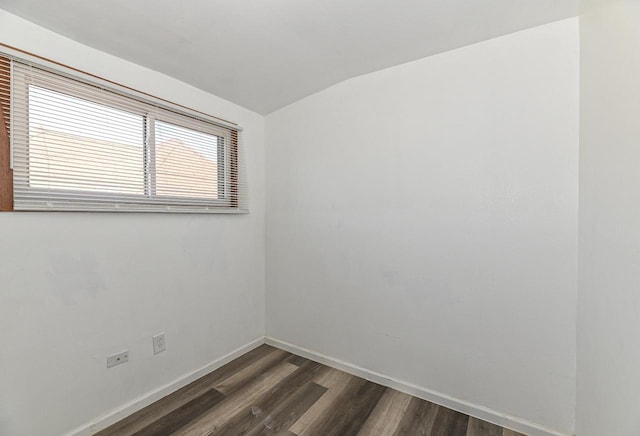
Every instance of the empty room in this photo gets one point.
(313, 218)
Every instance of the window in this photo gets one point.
(80, 147)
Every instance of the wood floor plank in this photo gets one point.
(386, 417)
(478, 427)
(278, 422)
(419, 418)
(508, 432)
(217, 416)
(234, 382)
(335, 381)
(270, 403)
(350, 410)
(450, 423)
(182, 415)
(297, 360)
(149, 414)
(237, 364)
(332, 377)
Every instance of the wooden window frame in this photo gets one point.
(6, 174)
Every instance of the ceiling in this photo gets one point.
(265, 54)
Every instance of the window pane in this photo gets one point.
(76, 144)
(187, 162)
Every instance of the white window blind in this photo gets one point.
(81, 147)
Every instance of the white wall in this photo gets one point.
(422, 223)
(608, 394)
(76, 287)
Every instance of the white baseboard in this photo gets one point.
(150, 397)
(481, 412)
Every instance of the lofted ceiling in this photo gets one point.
(265, 54)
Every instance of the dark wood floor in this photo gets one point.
(269, 391)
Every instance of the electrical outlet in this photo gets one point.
(159, 344)
(117, 359)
